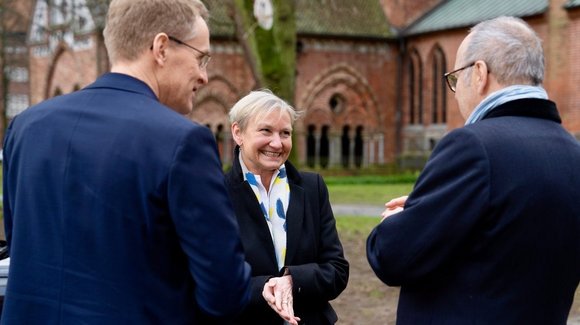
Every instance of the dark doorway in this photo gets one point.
(311, 146)
(324, 147)
(345, 146)
(358, 146)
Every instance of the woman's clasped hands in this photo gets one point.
(278, 294)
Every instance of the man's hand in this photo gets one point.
(394, 206)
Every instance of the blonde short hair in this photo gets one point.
(258, 103)
(132, 24)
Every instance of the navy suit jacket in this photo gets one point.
(314, 254)
(491, 232)
(116, 212)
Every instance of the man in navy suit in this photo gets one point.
(490, 233)
(115, 206)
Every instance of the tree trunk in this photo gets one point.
(270, 53)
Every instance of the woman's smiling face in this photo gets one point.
(266, 142)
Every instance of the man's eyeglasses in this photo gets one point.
(451, 77)
(203, 60)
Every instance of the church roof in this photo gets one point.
(452, 14)
(326, 18)
(572, 4)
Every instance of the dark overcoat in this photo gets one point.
(491, 232)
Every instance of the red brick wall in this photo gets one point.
(401, 13)
(449, 42)
(39, 67)
(572, 114)
(363, 72)
(230, 79)
(562, 50)
(556, 47)
(62, 68)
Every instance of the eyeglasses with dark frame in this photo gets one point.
(451, 78)
(203, 60)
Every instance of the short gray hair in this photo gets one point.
(510, 48)
(258, 103)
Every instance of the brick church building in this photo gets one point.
(368, 77)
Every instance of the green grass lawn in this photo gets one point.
(355, 227)
(374, 194)
(350, 191)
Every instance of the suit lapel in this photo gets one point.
(294, 220)
(252, 218)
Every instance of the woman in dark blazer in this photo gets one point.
(286, 223)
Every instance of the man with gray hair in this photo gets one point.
(490, 232)
(115, 206)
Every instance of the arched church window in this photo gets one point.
(415, 87)
(336, 103)
(311, 146)
(439, 104)
(411, 91)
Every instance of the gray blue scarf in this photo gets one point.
(503, 96)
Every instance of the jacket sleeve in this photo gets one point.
(440, 214)
(206, 226)
(325, 279)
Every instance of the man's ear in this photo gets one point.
(481, 77)
(160, 48)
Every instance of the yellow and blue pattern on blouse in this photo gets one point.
(274, 204)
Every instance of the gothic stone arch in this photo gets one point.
(336, 98)
(211, 108)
